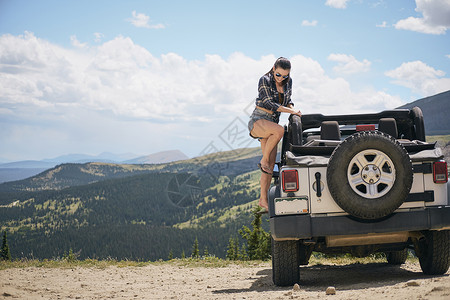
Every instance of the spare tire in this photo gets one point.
(369, 175)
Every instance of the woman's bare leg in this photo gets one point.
(266, 179)
(272, 133)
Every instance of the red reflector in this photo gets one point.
(365, 127)
(440, 172)
(290, 180)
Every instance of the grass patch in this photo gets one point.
(203, 262)
(441, 139)
(63, 263)
(347, 259)
(212, 262)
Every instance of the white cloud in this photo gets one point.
(420, 78)
(309, 23)
(382, 25)
(435, 20)
(348, 64)
(337, 3)
(98, 36)
(142, 20)
(76, 43)
(126, 80)
(318, 93)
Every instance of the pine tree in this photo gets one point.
(258, 241)
(236, 248)
(183, 255)
(195, 251)
(4, 251)
(243, 253)
(264, 250)
(170, 257)
(205, 252)
(231, 249)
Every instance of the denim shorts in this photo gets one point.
(259, 114)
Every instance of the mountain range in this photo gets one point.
(23, 169)
(436, 112)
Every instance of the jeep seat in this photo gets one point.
(330, 131)
(389, 126)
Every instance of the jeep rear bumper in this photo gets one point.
(292, 227)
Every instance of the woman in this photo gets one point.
(275, 89)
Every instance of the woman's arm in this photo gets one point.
(290, 110)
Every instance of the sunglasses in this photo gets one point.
(284, 77)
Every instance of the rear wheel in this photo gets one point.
(305, 252)
(433, 251)
(285, 262)
(397, 257)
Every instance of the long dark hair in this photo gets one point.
(281, 62)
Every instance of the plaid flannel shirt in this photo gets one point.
(268, 95)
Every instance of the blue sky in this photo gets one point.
(148, 76)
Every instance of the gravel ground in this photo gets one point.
(171, 281)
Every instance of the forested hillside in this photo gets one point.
(232, 163)
(140, 217)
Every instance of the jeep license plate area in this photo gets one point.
(294, 205)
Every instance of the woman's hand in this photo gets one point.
(290, 110)
(294, 111)
(297, 112)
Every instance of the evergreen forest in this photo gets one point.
(135, 212)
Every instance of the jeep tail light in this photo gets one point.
(289, 180)
(365, 127)
(440, 172)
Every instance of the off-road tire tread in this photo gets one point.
(285, 263)
(397, 257)
(435, 258)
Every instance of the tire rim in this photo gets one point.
(371, 174)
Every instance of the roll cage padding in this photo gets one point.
(329, 130)
(409, 123)
(295, 123)
(389, 126)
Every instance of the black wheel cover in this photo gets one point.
(369, 175)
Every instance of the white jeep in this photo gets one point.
(359, 184)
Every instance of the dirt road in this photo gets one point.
(172, 281)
